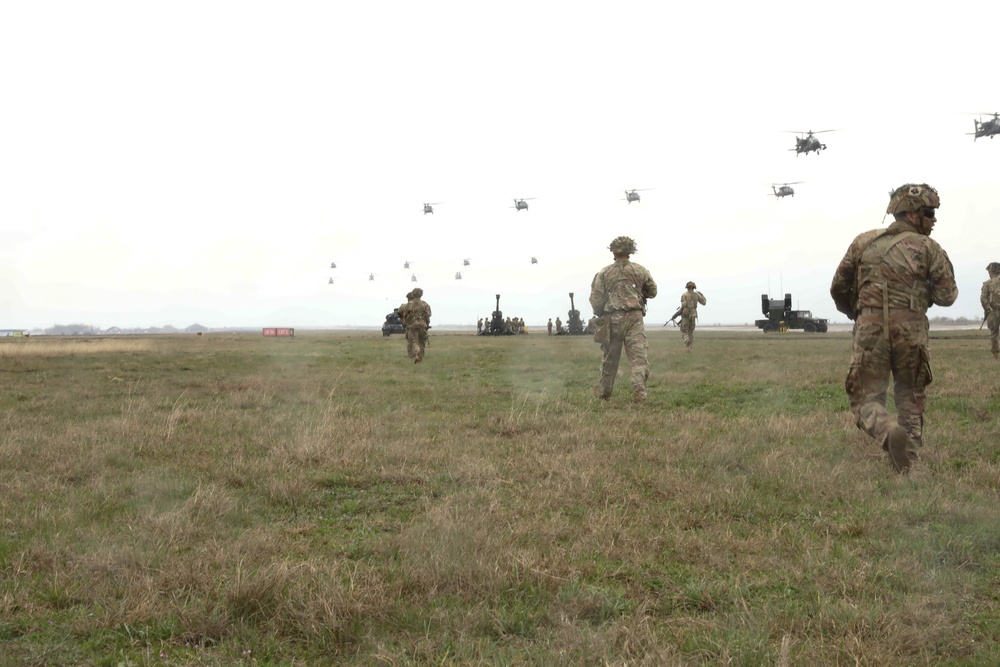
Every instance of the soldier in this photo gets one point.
(619, 292)
(549, 325)
(990, 298)
(479, 326)
(559, 327)
(689, 313)
(416, 316)
(885, 283)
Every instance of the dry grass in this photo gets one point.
(233, 500)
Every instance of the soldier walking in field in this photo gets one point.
(689, 313)
(618, 296)
(990, 299)
(416, 317)
(885, 283)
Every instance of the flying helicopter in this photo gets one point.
(784, 190)
(465, 262)
(371, 277)
(534, 260)
(406, 263)
(429, 208)
(458, 275)
(333, 265)
(808, 142)
(987, 128)
(521, 204)
(331, 281)
(413, 277)
(633, 195)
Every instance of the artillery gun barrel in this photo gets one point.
(571, 304)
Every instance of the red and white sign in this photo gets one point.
(279, 331)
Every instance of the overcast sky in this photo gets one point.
(181, 162)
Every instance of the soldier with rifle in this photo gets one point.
(990, 300)
(618, 296)
(689, 313)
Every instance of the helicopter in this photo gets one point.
(785, 190)
(371, 277)
(333, 265)
(633, 195)
(331, 281)
(429, 208)
(534, 260)
(406, 263)
(808, 143)
(458, 275)
(987, 128)
(521, 204)
(413, 277)
(465, 262)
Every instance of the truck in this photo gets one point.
(781, 317)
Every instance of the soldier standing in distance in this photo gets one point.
(416, 316)
(549, 325)
(619, 292)
(990, 299)
(689, 313)
(479, 326)
(559, 326)
(885, 283)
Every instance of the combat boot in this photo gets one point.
(638, 397)
(996, 356)
(601, 395)
(902, 450)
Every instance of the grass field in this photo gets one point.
(235, 500)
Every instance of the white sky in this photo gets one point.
(181, 162)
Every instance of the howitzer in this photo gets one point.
(574, 325)
(673, 317)
(496, 326)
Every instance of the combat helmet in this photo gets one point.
(690, 285)
(993, 267)
(417, 293)
(912, 197)
(622, 245)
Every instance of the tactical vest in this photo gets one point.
(621, 289)
(873, 256)
(994, 296)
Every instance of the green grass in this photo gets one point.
(210, 500)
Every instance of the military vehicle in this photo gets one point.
(496, 326)
(781, 317)
(574, 325)
(393, 324)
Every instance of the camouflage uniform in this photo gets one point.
(885, 283)
(559, 326)
(619, 292)
(416, 316)
(990, 299)
(550, 326)
(689, 313)
(479, 326)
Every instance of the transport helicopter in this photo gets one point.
(986, 128)
(371, 277)
(429, 208)
(333, 265)
(806, 144)
(406, 263)
(465, 262)
(633, 195)
(784, 190)
(331, 281)
(534, 260)
(413, 277)
(521, 204)
(458, 275)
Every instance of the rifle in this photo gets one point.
(673, 317)
(981, 325)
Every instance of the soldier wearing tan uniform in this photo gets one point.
(416, 317)
(689, 313)
(885, 283)
(618, 293)
(990, 299)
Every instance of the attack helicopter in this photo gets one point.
(429, 208)
(521, 204)
(807, 143)
(633, 195)
(785, 190)
(986, 128)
